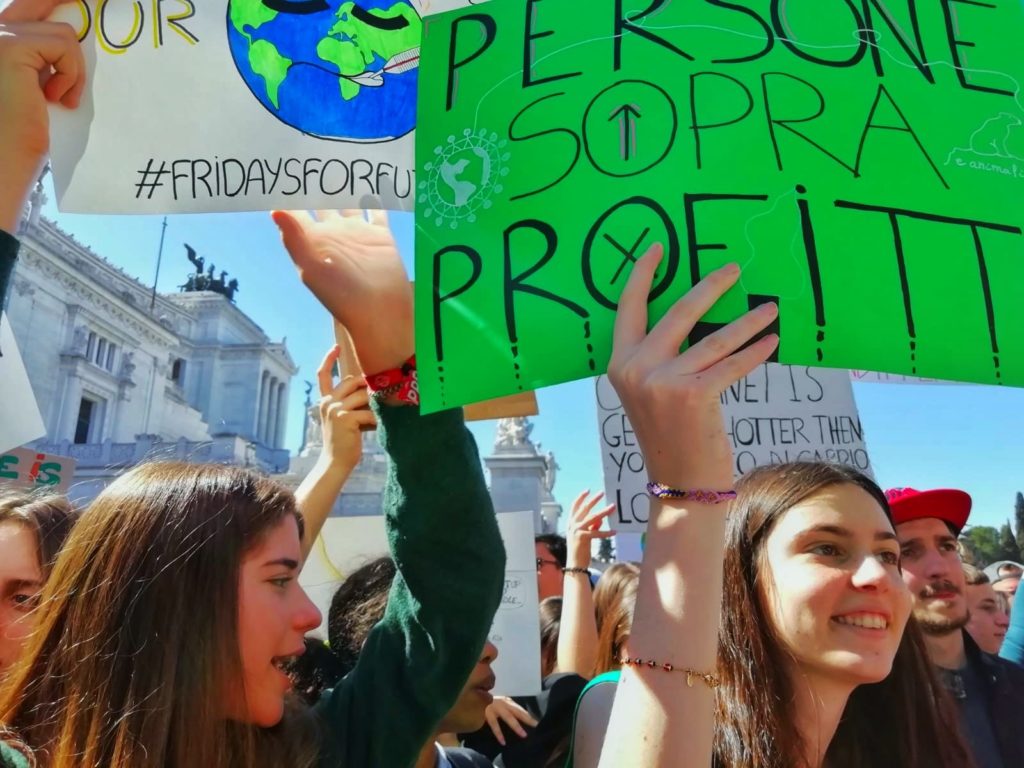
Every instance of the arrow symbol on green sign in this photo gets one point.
(627, 115)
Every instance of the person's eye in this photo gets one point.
(24, 601)
(889, 557)
(282, 582)
(297, 7)
(827, 550)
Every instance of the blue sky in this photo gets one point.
(925, 436)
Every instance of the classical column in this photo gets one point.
(261, 418)
(282, 412)
(270, 430)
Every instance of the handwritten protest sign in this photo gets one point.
(22, 468)
(863, 162)
(777, 414)
(346, 543)
(238, 105)
(874, 377)
(20, 420)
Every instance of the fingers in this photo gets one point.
(352, 391)
(29, 10)
(54, 46)
(326, 215)
(591, 503)
(743, 363)
(717, 346)
(325, 373)
(631, 319)
(353, 213)
(671, 331)
(379, 218)
(593, 522)
(494, 725)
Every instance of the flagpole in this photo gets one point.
(159, 256)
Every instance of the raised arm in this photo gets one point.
(577, 636)
(441, 524)
(40, 62)
(344, 414)
(662, 718)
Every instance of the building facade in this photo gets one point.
(121, 374)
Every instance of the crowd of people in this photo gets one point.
(800, 618)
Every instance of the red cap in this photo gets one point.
(945, 504)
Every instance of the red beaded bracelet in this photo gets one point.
(710, 680)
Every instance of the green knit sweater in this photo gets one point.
(445, 541)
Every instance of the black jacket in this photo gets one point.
(467, 758)
(1004, 681)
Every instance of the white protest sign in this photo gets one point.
(20, 420)
(346, 543)
(777, 414)
(241, 105)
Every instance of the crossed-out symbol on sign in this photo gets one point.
(630, 255)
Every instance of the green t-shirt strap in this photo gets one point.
(607, 677)
(11, 757)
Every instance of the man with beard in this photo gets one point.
(989, 691)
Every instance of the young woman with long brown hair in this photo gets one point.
(174, 603)
(809, 659)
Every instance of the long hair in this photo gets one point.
(550, 629)
(906, 720)
(609, 589)
(357, 606)
(48, 516)
(616, 625)
(137, 645)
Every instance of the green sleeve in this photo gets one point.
(11, 757)
(8, 256)
(451, 562)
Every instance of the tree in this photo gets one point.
(1018, 511)
(982, 542)
(1008, 549)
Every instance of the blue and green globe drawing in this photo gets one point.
(335, 70)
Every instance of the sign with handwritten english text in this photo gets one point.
(862, 161)
(241, 105)
(28, 469)
(777, 414)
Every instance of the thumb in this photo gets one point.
(293, 235)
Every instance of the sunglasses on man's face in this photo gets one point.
(541, 562)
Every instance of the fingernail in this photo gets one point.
(770, 309)
(731, 269)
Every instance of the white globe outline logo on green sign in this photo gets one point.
(449, 197)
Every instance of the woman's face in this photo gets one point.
(274, 614)
(834, 591)
(21, 579)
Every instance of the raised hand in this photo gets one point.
(344, 414)
(40, 62)
(353, 267)
(505, 710)
(584, 527)
(672, 399)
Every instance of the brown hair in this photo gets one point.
(906, 719)
(137, 642)
(357, 606)
(974, 576)
(550, 628)
(609, 588)
(616, 625)
(48, 515)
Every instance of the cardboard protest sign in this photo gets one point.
(346, 543)
(20, 420)
(777, 414)
(863, 162)
(241, 105)
(22, 468)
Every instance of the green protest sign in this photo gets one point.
(863, 160)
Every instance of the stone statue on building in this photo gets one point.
(550, 472)
(127, 365)
(514, 436)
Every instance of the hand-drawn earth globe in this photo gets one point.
(336, 70)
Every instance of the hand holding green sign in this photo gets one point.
(863, 162)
